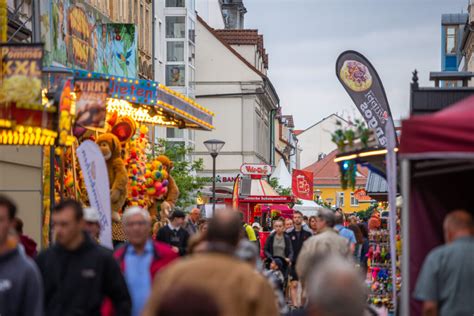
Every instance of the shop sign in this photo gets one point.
(20, 86)
(302, 184)
(361, 195)
(254, 169)
(266, 199)
(363, 84)
(65, 105)
(91, 96)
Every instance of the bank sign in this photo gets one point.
(364, 86)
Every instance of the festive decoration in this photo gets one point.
(111, 149)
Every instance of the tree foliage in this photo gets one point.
(184, 171)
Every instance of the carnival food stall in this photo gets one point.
(437, 154)
(255, 198)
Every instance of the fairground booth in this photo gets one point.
(256, 199)
(92, 126)
(437, 160)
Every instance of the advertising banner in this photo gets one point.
(79, 36)
(91, 95)
(94, 171)
(20, 85)
(302, 184)
(364, 86)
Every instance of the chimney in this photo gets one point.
(233, 12)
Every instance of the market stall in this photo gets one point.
(437, 153)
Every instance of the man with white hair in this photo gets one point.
(141, 254)
(335, 288)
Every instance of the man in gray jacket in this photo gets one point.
(21, 291)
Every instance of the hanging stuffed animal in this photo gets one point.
(111, 149)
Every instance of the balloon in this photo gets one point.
(165, 183)
(157, 175)
(158, 186)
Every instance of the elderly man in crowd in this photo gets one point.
(192, 222)
(141, 257)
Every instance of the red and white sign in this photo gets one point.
(265, 199)
(361, 196)
(302, 184)
(256, 169)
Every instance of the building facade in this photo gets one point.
(315, 141)
(328, 189)
(231, 81)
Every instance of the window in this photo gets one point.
(191, 31)
(175, 27)
(175, 3)
(175, 75)
(177, 145)
(354, 201)
(192, 54)
(339, 199)
(175, 51)
(147, 31)
(451, 39)
(174, 133)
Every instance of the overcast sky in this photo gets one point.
(305, 37)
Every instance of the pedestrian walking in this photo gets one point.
(248, 232)
(77, 272)
(174, 234)
(278, 244)
(288, 224)
(359, 241)
(21, 291)
(343, 231)
(365, 247)
(28, 244)
(192, 221)
(257, 229)
(298, 235)
(236, 287)
(141, 257)
(445, 283)
(92, 222)
(312, 225)
(326, 242)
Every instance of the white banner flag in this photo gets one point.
(94, 171)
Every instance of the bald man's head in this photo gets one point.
(195, 214)
(458, 223)
(224, 227)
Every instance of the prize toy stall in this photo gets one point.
(115, 113)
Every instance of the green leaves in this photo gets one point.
(184, 171)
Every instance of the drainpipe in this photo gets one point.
(272, 137)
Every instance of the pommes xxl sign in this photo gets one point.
(364, 86)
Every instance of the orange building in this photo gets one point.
(327, 185)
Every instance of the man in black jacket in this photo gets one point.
(298, 235)
(77, 273)
(174, 234)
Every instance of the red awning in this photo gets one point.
(445, 134)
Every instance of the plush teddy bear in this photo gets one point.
(173, 190)
(110, 147)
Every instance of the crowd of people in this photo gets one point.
(312, 266)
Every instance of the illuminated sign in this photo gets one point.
(254, 169)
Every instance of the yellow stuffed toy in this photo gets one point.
(110, 147)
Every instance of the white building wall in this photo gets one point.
(317, 139)
(210, 11)
(227, 86)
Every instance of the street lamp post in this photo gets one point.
(214, 146)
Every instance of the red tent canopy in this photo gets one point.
(437, 152)
(447, 133)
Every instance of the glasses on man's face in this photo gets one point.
(136, 223)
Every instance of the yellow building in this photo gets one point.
(327, 185)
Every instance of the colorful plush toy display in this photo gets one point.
(111, 149)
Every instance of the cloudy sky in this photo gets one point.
(305, 37)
